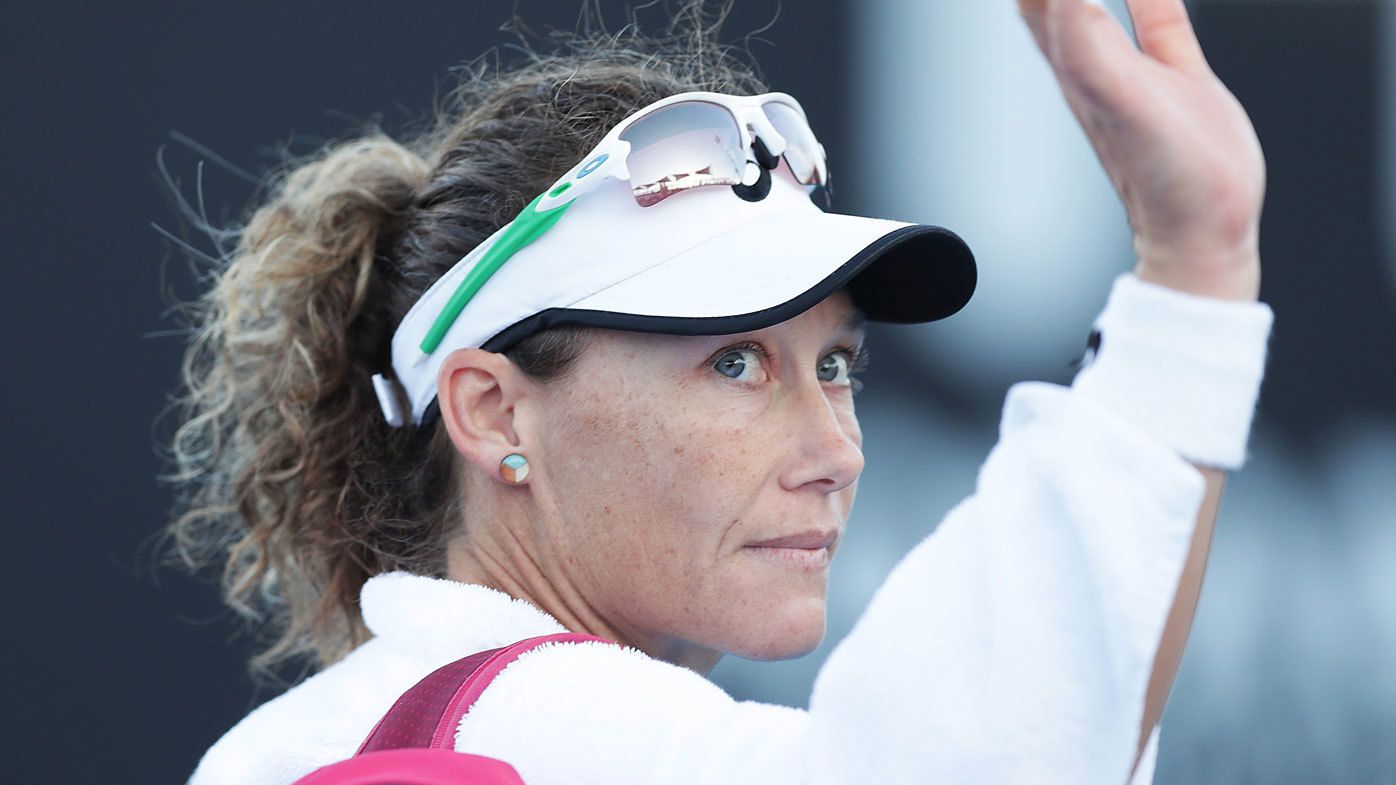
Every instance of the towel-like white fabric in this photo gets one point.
(1013, 644)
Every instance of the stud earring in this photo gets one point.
(514, 467)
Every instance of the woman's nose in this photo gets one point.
(825, 441)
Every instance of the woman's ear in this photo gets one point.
(478, 393)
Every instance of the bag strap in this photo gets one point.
(414, 767)
(428, 713)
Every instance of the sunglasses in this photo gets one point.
(686, 141)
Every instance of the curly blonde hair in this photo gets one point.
(287, 476)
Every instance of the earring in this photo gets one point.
(514, 467)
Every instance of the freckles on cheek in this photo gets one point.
(696, 438)
(715, 477)
(693, 455)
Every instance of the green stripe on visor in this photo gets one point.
(527, 227)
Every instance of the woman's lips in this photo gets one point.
(811, 539)
(812, 559)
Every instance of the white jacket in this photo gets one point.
(1012, 645)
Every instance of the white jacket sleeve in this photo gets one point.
(1013, 644)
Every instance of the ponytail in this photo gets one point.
(280, 416)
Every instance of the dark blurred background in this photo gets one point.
(931, 111)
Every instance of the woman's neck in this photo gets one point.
(522, 578)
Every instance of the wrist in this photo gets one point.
(1224, 274)
(1185, 368)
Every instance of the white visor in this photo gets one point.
(703, 262)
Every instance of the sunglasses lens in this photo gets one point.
(801, 148)
(682, 146)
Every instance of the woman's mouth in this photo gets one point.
(811, 559)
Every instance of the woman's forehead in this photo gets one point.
(834, 316)
(835, 313)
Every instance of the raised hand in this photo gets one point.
(1179, 148)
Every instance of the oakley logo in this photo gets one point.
(592, 165)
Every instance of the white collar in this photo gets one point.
(447, 619)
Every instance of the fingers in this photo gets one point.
(1088, 48)
(1163, 28)
(1035, 14)
(1064, 29)
(1166, 34)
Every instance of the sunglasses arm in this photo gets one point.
(606, 161)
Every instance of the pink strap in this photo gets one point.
(428, 714)
(414, 767)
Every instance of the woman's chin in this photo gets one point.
(791, 630)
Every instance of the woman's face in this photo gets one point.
(662, 459)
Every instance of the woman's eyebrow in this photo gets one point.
(854, 321)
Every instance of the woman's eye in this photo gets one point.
(737, 362)
(838, 367)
